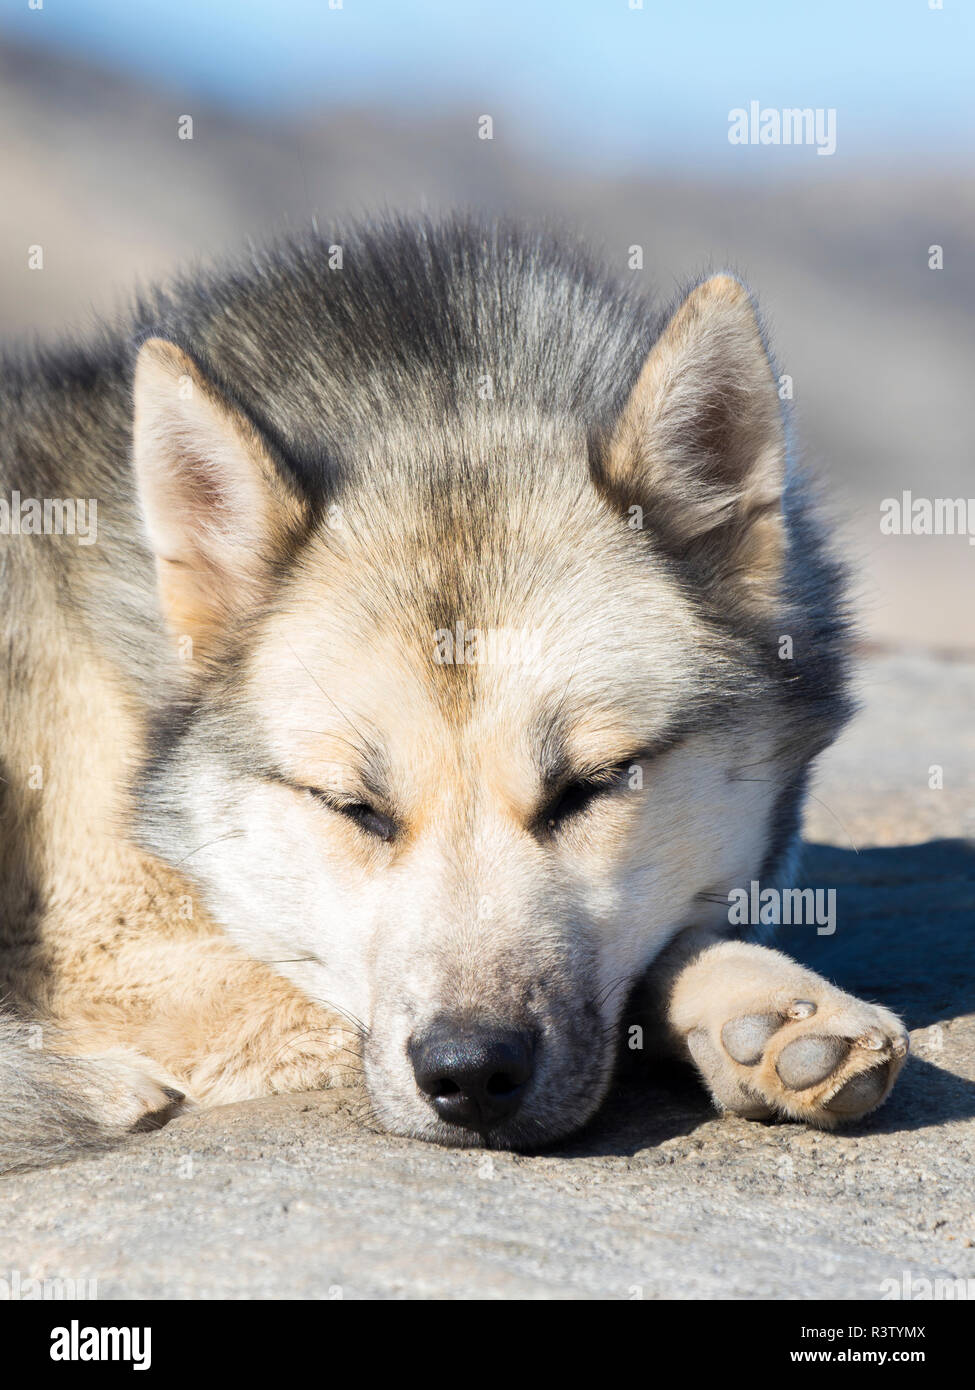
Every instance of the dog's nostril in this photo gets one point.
(502, 1085)
(443, 1086)
(473, 1075)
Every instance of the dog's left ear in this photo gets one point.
(217, 510)
(700, 445)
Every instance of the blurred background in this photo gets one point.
(609, 116)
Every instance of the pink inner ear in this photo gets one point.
(203, 485)
(212, 504)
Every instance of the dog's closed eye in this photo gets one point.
(577, 796)
(366, 817)
(570, 801)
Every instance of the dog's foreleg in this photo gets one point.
(220, 1025)
(177, 1024)
(770, 1037)
(235, 1029)
(55, 1104)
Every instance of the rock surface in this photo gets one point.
(293, 1197)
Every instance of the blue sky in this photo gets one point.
(593, 80)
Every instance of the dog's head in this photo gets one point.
(470, 738)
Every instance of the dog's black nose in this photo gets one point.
(474, 1075)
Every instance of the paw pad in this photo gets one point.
(862, 1092)
(809, 1060)
(744, 1038)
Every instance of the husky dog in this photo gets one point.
(420, 697)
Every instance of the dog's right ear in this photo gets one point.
(217, 511)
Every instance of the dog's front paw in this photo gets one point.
(793, 1046)
(125, 1092)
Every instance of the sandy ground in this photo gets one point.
(661, 1198)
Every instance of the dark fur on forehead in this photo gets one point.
(419, 312)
